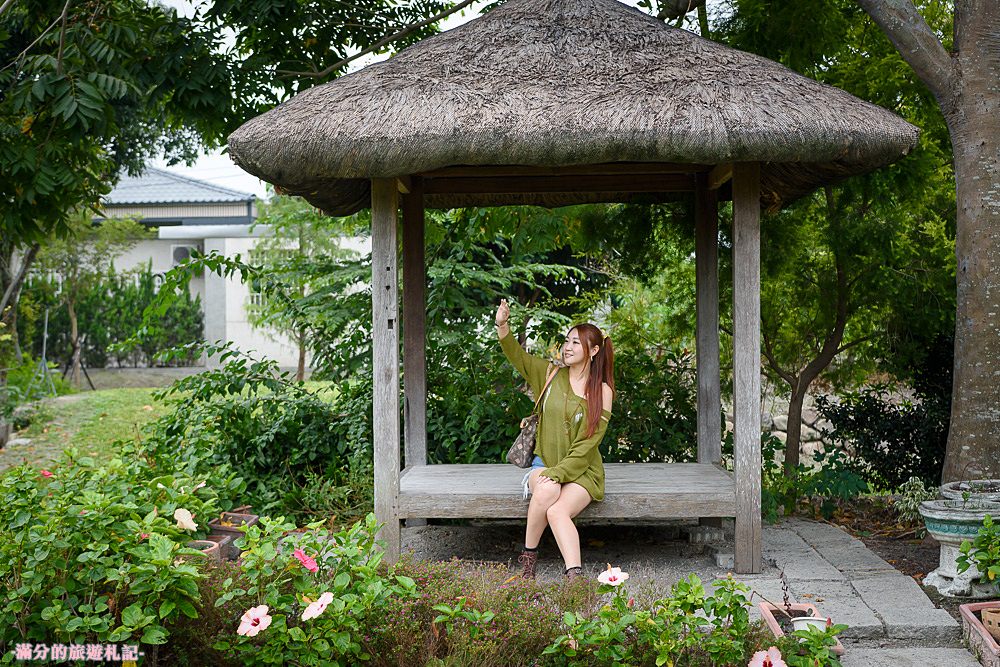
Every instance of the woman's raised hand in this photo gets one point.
(503, 313)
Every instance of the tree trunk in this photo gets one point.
(74, 339)
(793, 430)
(967, 88)
(300, 372)
(973, 450)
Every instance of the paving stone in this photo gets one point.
(905, 610)
(846, 553)
(838, 600)
(908, 657)
(816, 533)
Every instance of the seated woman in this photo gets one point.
(567, 473)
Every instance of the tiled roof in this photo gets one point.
(156, 186)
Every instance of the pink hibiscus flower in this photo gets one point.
(307, 562)
(46, 473)
(769, 658)
(318, 607)
(253, 621)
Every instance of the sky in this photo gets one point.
(217, 168)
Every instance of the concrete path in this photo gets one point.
(892, 622)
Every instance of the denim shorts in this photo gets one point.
(536, 464)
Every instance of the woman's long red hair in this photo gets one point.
(602, 370)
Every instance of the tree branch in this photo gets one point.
(773, 362)
(916, 42)
(379, 44)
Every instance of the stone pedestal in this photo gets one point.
(951, 522)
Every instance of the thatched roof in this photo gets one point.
(564, 82)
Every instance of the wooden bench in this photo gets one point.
(632, 491)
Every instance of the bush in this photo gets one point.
(830, 481)
(89, 552)
(109, 311)
(282, 440)
(890, 442)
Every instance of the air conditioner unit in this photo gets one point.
(181, 253)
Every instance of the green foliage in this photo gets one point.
(249, 417)
(829, 481)
(812, 647)
(90, 89)
(109, 307)
(88, 551)
(891, 440)
(346, 568)
(689, 627)
(983, 553)
(911, 493)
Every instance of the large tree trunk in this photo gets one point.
(973, 450)
(966, 85)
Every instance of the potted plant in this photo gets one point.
(950, 522)
(231, 524)
(795, 617)
(981, 620)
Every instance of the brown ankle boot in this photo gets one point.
(574, 573)
(528, 559)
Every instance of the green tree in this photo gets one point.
(82, 258)
(299, 235)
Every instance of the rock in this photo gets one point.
(18, 442)
(809, 434)
(781, 422)
(766, 421)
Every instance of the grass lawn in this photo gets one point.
(91, 421)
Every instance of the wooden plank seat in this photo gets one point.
(632, 491)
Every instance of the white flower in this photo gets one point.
(185, 521)
(253, 621)
(613, 576)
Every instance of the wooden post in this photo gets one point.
(385, 363)
(746, 364)
(414, 331)
(707, 299)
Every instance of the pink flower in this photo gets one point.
(306, 561)
(613, 576)
(318, 607)
(46, 473)
(253, 621)
(143, 536)
(769, 658)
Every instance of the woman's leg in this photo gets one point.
(572, 499)
(544, 492)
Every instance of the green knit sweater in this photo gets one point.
(561, 442)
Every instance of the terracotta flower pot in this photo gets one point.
(981, 642)
(207, 548)
(770, 614)
(230, 524)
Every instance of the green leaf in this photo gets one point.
(132, 616)
(154, 634)
(166, 608)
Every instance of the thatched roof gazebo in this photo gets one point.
(554, 102)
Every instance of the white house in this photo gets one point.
(194, 214)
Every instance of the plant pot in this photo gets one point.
(206, 548)
(983, 645)
(978, 489)
(806, 622)
(231, 524)
(951, 522)
(225, 543)
(800, 612)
